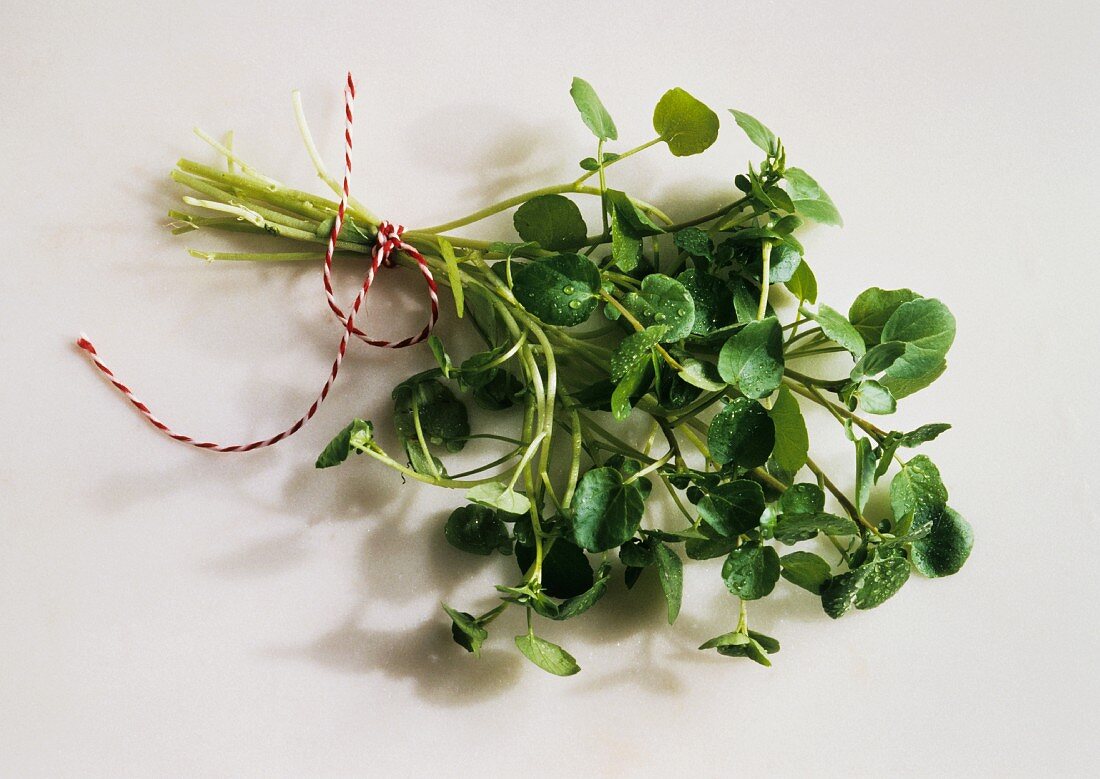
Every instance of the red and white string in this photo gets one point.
(387, 242)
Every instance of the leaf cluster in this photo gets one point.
(645, 381)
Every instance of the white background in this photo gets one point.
(165, 611)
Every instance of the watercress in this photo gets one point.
(677, 326)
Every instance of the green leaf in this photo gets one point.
(684, 123)
(733, 508)
(753, 650)
(562, 290)
(803, 498)
(867, 586)
(454, 277)
(477, 530)
(670, 570)
(606, 511)
(714, 545)
(727, 639)
(921, 435)
(663, 301)
(752, 359)
(873, 307)
(633, 219)
(757, 132)
(751, 570)
(579, 603)
(466, 631)
(741, 433)
(549, 657)
(883, 577)
(767, 643)
(784, 264)
(877, 359)
(566, 569)
(552, 221)
(803, 283)
(926, 324)
(626, 248)
(711, 299)
(498, 495)
(946, 547)
(865, 472)
(359, 434)
(809, 199)
(838, 330)
(590, 163)
(791, 528)
(806, 570)
(637, 553)
(441, 356)
(912, 372)
(870, 396)
(634, 351)
(503, 391)
(792, 441)
(631, 387)
(917, 490)
(443, 417)
(703, 375)
(592, 111)
(694, 242)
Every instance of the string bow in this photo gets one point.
(388, 242)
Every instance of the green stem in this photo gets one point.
(765, 277)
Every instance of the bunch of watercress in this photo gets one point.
(674, 327)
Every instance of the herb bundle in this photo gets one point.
(675, 327)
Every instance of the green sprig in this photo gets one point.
(583, 332)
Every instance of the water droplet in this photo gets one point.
(568, 289)
(660, 317)
(574, 304)
(436, 440)
(681, 312)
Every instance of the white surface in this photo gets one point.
(165, 611)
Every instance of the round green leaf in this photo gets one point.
(806, 570)
(665, 302)
(945, 549)
(752, 359)
(873, 307)
(684, 123)
(803, 498)
(566, 570)
(443, 417)
(476, 529)
(710, 296)
(741, 433)
(751, 571)
(733, 508)
(552, 221)
(925, 323)
(606, 512)
(561, 290)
